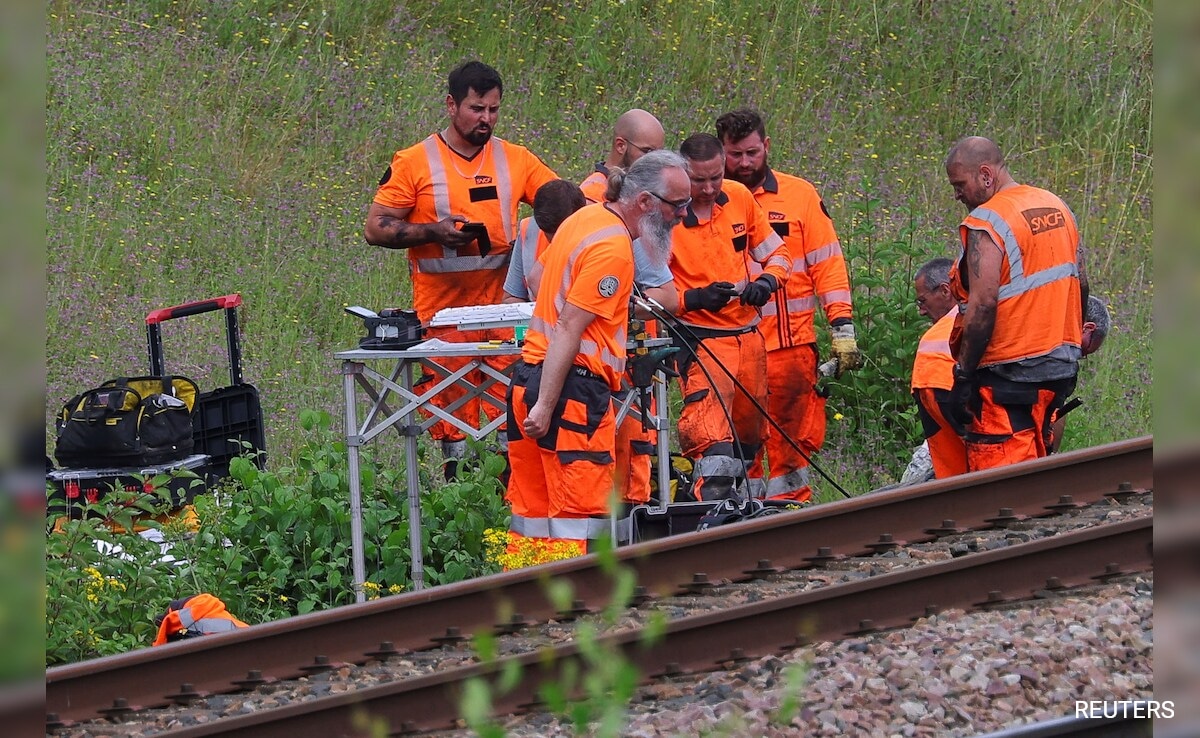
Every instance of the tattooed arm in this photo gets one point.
(984, 260)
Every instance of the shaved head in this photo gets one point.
(974, 151)
(635, 134)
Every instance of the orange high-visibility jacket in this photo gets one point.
(488, 188)
(933, 367)
(202, 613)
(596, 183)
(590, 265)
(1039, 311)
(722, 249)
(796, 212)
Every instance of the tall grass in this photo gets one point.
(199, 148)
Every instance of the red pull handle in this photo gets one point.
(193, 308)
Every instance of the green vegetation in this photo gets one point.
(198, 149)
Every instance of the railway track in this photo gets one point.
(428, 627)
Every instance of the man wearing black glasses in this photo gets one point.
(636, 134)
(723, 235)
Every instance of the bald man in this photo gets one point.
(636, 134)
(1022, 288)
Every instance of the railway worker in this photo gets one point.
(1096, 322)
(560, 418)
(818, 277)
(552, 203)
(933, 369)
(635, 134)
(458, 175)
(723, 232)
(1021, 287)
(190, 617)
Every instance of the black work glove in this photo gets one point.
(712, 297)
(965, 402)
(758, 292)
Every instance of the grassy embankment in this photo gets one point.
(197, 150)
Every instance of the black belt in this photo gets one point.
(576, 370)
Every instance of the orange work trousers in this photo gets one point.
(946, 447)
(720, 453)
(1014, 420)
(794, 404)
(633, 453)
(471, 410)
(567, 474)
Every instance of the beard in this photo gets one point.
(655, 234)
(751, 179)
(476, 136)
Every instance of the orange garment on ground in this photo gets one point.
(560, 484)
(595, 184)
(797, 213)
(201, 614)
(1029, 366)
(933, 375)
(435, 182)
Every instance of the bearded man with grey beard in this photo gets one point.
(561, 422)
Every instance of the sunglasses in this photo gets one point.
(676, 204)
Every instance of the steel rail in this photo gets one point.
(414, 620)
(747, 631)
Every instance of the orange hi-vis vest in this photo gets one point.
(722, 249)
(933, 367)
(590, 265)
(436, 182)
(201, 614)
(796, 212)
(1039, 310)
(595, 184)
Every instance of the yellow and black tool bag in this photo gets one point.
(127, 421)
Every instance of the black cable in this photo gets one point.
(675, 322)
(737, 443)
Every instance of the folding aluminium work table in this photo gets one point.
(391, 402)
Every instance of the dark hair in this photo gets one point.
(554, 201)
(935, 272)
(737, 124)
(701, 147)
(473, 75)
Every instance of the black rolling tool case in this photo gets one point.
(225, 418)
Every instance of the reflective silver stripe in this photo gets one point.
(1018, 281)
(816, 256)
(756, 488)
(934, 347)
(579, 528)
(441, 187)
(536, 323)
(453, 264)
(624, 528)
(834, 296)
(504, 187)
(719, 466)
(214, 625)
(1038, 279)
(799, 266)
(794, 305)
(763, 250)
(606, 357)
(789, 482)
(530, 527)
(528, 246)
(779, 261)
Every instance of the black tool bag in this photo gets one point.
(128, 421)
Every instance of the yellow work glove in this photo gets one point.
(845, 348)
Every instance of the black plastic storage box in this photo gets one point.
(225, 418)
(70, 490)
(650, 523)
